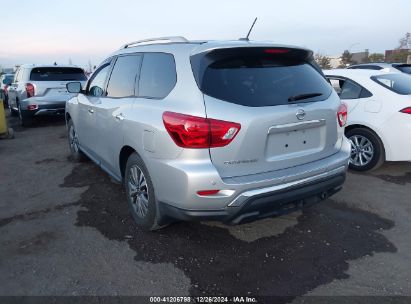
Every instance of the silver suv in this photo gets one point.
(205, 130)
(41, 90)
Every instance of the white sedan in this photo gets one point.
(379, 115)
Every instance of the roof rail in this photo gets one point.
(171, 39)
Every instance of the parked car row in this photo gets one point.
(230, 130)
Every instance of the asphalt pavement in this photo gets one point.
(65, 230)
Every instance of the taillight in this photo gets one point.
(342, 115)
(196, 132)
(30, 90)
(32, 107)
(207, 192)
(406, 110)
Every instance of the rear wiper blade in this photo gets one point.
(303, 96)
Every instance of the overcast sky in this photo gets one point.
(45, 31)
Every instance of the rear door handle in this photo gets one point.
(91, 111)
(119, 117)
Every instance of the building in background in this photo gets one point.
(397, 55)
(335, 61)
(360, 57)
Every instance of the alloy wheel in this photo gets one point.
(362, 150)
(138, 191)
(73, 141)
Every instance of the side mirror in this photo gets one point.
(73, 87)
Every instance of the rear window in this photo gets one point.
(405, 68)
(258, 77)
(57, 74)
(398, 83)
(158, 75)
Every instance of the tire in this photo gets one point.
(6, 102)
(13, 112)
(76, 153)
(140, 194)
(367, 150)
(25, 121)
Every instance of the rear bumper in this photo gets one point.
(266, 202)
(177, 182)
(52, 109)
(46, 105)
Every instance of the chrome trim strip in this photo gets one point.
(43, 111)
(240, 199)
(296, 126)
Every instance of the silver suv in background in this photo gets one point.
(205, 130)
(41, 90)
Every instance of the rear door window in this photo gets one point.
(123, 77)
(398, 83)
(57, 74)
(348, 89)
(158, 75)
(259, 77)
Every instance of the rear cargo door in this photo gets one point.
(286, 108)
(51, 81)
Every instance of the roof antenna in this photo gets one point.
(252, 26)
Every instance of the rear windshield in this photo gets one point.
(399, 83)
(258, 77)
(57, 74)
(405, 68)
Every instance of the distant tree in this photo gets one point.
(323, 61)
(70, 61)
(400, 54)
(405, 42)
(346, 59)
(376, 57)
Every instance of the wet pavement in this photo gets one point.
(65, 229)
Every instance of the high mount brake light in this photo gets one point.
(197, 132)
(276, 51)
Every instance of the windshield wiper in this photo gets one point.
(303, 96)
